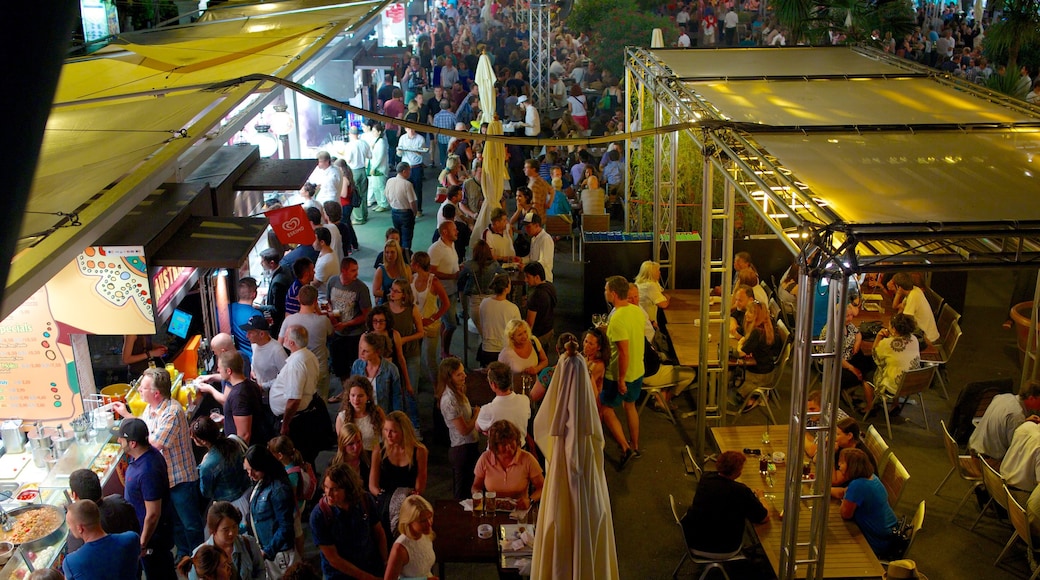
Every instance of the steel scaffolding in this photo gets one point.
(540, 54)
(830, 251)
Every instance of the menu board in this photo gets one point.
(104, 291)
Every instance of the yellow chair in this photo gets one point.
(998, 491)
(913, 382)
(1020, 520)
(965, 466)
(894, 477)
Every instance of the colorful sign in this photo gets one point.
(291, 225)
(167, 281)
(393, 26)
(100, 19)
(103, 291)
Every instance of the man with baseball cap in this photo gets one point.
(268, 356)
(147, 488)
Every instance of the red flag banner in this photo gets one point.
(291, 225)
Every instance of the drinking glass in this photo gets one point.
(490, 503)
(478, 503)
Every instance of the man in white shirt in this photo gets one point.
(326, 266)
(684, 39)
(297, 382)
(532, 123)
(506, 405)
(410, 147)
(357, 156)
(910, 300)
(326, 177)
(994, 433)
(268, 354)
(1021, 466)
(683, 17)
(543, 249)
(403, 206)
(444, 264)
(498, 236)
(729, 29)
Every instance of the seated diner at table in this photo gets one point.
(715, 522)
(865, 501)
(508, 470)
(911, 301)
(896, 350)
(761, 343)
(847, 435)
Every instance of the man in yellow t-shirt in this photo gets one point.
(623, 379)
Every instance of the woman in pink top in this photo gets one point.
(506, 469)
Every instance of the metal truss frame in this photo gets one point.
(828, 248)
(539, 29)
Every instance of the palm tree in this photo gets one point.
(1019, 25)
(810, 20)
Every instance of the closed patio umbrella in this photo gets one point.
(574, 535)
(494, 168)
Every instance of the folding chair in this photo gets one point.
(915, 526)
(1020, 520)
(998, 491)
(877, 446)
(894, 478)
(944, 350)
(944, 322)
(913, 382)
(965, 466)
(708, 563)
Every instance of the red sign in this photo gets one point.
(166, 282)
(291, 225)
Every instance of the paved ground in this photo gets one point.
(648, 543)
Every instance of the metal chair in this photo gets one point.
(691, 464)
(943, 352)
(964, 466)
(894, 477)
(1020, 521)
(877, 447)
(766, 394)
(944, 321)
(915, 526)
(709, 564)
(935, 302)
(656, 391)
(913, 382)
(998, 491)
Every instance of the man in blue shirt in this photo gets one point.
(148, 490)
(240, 313)
(103, 556)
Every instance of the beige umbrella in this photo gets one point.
(574, 535)
(494, 168)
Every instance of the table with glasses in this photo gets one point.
(456, 537)
(846, 552)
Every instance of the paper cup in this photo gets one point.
(484, 531)
(779, 457)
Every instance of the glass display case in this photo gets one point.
(45, 491)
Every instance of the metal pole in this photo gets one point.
(703, 379)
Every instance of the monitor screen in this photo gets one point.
(179, 323)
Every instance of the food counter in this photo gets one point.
(38, 496)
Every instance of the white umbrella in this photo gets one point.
(574, 536)
(486, 82)
(494, 168)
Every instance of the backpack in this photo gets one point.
(308, 484)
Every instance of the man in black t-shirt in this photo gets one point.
(541, 305)
(714, 524)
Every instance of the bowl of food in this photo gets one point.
(6, 551)
(35, 526)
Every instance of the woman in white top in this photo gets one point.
(461, 419)
(411, 555)
(360, 408)
(579, 107)
(896, 350)
(522, 351)
(432, 300)
(651, 294)
(495, 313)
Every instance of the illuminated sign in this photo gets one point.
(100, 19)
(166, 282)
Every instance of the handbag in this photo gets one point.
(651, 360)
(355, 196)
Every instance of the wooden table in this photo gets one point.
(847, 553)
(456, 535)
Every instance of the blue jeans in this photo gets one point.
(442, 150)
(187, 528)
(416, 179)
(404, 221)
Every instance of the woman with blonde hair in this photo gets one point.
(400, 462)
(350, 449)
(408, 323)
(593, 196)
(412, 553)
(522, 351)
(392, 268)
(461, 419)
(651, 294)
(360, 408)
(760, 343)
(453, 173)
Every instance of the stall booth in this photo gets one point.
(858, 162)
